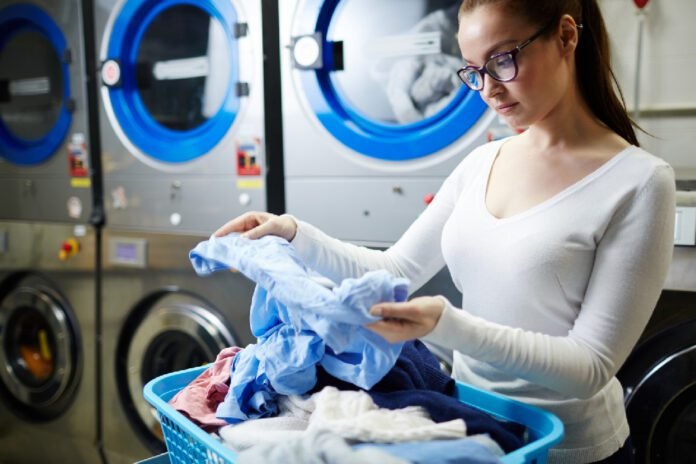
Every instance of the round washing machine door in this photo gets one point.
(35, 102)
(380, 77)
(169, 331)
(39, 349)
(171, 76)
(659, 380)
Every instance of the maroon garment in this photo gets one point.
(199, 400)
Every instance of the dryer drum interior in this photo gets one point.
(33, 92)
(168, 331)
(659, 380)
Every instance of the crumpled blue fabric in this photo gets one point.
(299, 324)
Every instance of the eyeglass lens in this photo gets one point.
(501, 68)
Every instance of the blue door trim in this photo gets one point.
(391, 142)
(150, 137)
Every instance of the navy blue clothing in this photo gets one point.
(416, 380)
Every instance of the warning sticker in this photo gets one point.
(78, 156)
(248, 157)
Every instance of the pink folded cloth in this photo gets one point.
(199, 400)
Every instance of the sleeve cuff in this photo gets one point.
(305, 241)
(453, 329)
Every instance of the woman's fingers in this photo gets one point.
(406, 320)
(392, 330)
(237, 224)
(405, 310)
(243, 223)
(263, 229)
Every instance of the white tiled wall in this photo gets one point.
(668, 74)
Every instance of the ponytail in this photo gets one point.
(597, 81)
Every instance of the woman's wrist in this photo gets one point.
(292, 226)
(435, 335)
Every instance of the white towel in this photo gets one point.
(289, 424)
(354, 416)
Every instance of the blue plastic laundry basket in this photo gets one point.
(187, 443)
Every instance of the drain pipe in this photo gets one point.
(640, 4)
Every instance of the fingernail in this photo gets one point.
(376, 311)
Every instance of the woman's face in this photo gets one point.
(541, 79)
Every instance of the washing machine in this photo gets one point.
(181, 114)
(659, 377)
(47, 344)
(374, 117)
(159, 317)
(182, 134)
(45, 169)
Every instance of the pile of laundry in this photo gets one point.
(320, 387)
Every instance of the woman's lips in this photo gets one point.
(505, 108)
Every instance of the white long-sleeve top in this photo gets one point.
(553, 298)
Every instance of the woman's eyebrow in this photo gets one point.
(490, 50)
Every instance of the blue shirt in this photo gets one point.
(299, 323)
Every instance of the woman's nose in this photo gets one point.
(491, 87)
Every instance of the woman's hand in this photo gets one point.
(257, 224)
(407, 320)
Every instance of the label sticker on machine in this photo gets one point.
(74, 206)
(78, 157)
(252, 184)
(248, 151)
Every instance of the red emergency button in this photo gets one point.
(428, 198)
(70, 247)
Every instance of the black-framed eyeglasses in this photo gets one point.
(502, 66)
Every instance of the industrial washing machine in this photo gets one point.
(182, 137)
(374, 116)
(47, 246)
(659, 377)
(159, 317)
(181, 114)
(47, 344)
(44, 139)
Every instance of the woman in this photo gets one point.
(558, 238)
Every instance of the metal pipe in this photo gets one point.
(636, 90)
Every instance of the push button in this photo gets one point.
(69, 248)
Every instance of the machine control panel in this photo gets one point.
(685, 226)
(126, 251)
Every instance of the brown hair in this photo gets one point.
(594, 74)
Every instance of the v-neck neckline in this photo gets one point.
(552, 199)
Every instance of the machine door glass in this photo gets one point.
(182, 68)
(171, 71)
(381, 76)
(397, 68)
(174, 332)
(659, 380)
(32, 88)
(37, 353)
(674, 439)
(35, 103)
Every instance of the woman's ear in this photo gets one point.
(569, 34)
